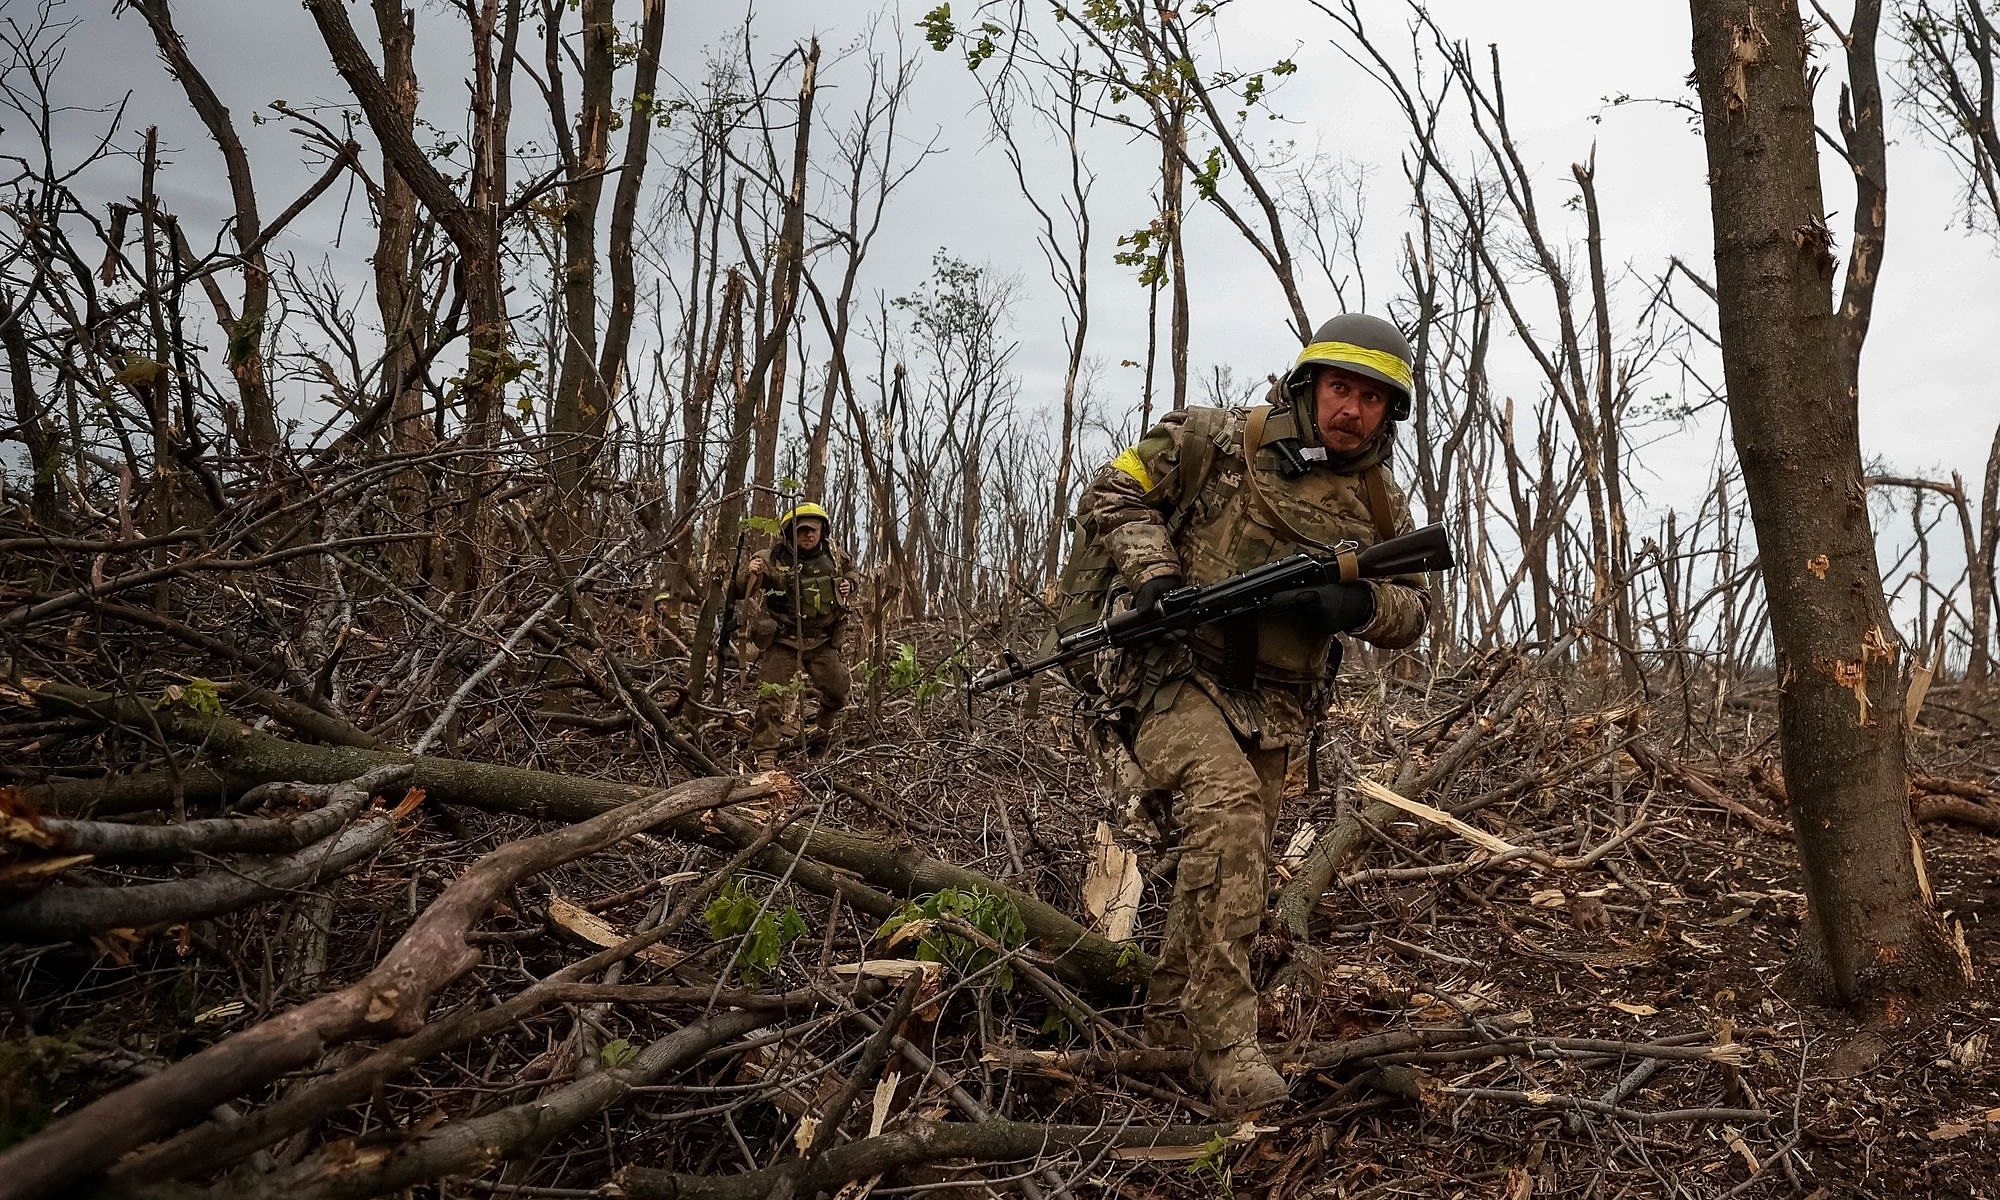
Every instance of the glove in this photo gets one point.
(1148, 595)
(1330, 607)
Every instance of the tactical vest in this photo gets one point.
(1219, 529)
(803, 595)
(1238, 521)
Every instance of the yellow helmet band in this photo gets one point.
(1381, 362)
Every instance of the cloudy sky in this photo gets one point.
(1928, 402)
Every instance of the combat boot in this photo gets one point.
(765, 760)
(1240, 1079)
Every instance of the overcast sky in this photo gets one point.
(1928, 402)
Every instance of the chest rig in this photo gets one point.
(1265, 499)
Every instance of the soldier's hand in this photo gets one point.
(1148, 594)
(1331, 607)
(756, 564)
(844, 587)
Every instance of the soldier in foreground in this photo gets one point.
(1218, 718)
(806, 582)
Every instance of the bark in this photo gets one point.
(471, 222)
(767, 372)
(390, 999)
(583, 399)
(1876, 943)
(1979, 664)
(70, 912)
(611, 366)
(722, 536)
(399, 295)
(28, 423)
(116, 840)
(215, 1145)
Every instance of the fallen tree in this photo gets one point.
(393, 998)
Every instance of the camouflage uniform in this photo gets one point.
(1219, 719)
(799, 633)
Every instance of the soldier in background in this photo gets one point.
(1217, 719)
(806, 583)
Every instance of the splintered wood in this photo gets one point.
(600, 932)
(1113, 886)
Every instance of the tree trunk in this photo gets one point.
(246, 330)
(1876, 944)
(32, 429)
(1979, 664)
(767, 374)
(399, 291)
(611, 366)
(583, 401)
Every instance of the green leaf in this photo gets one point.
(200, 695)
(617, 1053)
(761, 933)
(937, 27)
(994, 916)
(763, 525)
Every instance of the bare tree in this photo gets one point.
(1878, 943)
(1953, 53)
(244, 328)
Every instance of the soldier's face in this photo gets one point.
(806, 534)
(1350, 408)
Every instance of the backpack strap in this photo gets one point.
(1197, 463)
(1376, 480)
(1253, 439)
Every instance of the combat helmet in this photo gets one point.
(1364, 345)
(807, 509)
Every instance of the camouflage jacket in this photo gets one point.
(801, 596)
(1138, 508)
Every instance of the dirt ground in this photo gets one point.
(1678, 936)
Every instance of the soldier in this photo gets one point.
(1217, 719)
(806, 582)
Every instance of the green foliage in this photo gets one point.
(908, 673)
(904, 670)
(1145, 249)
(795, 686)
(937, 27)
(196, 695)
(1211, 171)
(994, 916)
(616, 1053)
(1213, 1164)
(504, 363)
(983, 49)
(1108, 15)
(764, 525)
(762, 932)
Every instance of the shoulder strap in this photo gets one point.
(1197, 462)
(1376, 480)
(1253, 438)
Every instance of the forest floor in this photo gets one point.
(1626, 1028)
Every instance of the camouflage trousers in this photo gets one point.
(784, 675)
(1227, 808)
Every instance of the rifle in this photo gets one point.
(1184, 608)
(726, 638)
